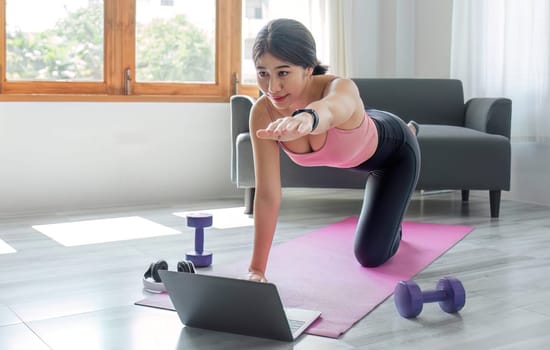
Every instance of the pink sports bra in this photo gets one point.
(342, 148)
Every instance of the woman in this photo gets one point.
(320, 120)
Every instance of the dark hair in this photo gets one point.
(290, 41)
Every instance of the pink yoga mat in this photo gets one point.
(318, 271)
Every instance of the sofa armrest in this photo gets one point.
(240, 113)
(240, 106)
(490, 115)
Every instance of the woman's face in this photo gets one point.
(282, 82)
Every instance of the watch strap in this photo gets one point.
(312, 112)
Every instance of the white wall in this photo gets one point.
(71, 156)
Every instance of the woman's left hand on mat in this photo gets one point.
(256, 276)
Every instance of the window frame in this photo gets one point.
(119, 56)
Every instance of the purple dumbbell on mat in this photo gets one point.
(409, 299)
(199, 257)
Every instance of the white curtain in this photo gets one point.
(368, 38)
(337, 18)
(501, 48)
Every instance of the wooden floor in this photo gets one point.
(56, 297)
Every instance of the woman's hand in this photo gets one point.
(256, 276)
(287, 128)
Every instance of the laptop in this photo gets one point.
(234, 305)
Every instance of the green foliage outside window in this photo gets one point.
(168, 50)
(71, 50)
(173, 50)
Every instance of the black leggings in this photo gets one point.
(393, 174)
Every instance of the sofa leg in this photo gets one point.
(494, 198)
(249, 200)
(465, 195)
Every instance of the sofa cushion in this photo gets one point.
(455, 157)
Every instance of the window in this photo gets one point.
(167, 50)
(175, 44)
(119, 49)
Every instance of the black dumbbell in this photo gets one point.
(409, 299)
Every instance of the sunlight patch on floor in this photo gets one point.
(5, 248)
(104, 230)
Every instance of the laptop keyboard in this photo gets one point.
(295, 324)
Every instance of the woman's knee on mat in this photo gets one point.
(371, 260)
(373, 255)
(374, 259)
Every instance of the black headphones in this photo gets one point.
(151, 278)
(186, 266)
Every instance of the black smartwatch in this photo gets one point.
(313, 114)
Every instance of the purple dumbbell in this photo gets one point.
(199, 257)
(409, 299)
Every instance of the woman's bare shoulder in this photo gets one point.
(334, 80)
(325, 79)
(329, 83)
(258, 113)
(260, 103)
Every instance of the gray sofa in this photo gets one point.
(464, 145)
